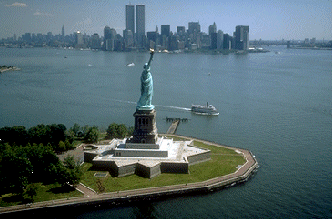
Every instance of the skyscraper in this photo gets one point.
(140, 25)
(95, 41)
(242, 37)
(109, 38)
(165, 30)
(63, 30)
(79, 41)
(213, 28)
(194, 28)
(181, 30)
(130, 18)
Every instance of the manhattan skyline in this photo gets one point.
(268, 20)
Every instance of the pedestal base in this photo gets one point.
(145, 127)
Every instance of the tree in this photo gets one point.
(39, 134)
(29, 193)
(56, 133)
(75, 129)
(116, 131)
(47, 134)
(15, 134)
(122, 131)
(92, 135)
(69, 145)
(111, 131)
(15, 172)
(72, 172)
(61, 146)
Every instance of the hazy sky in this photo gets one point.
(267, 19)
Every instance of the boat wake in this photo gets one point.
(175, 107)
(158, 106)
(124, 101)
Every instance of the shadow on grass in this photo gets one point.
(11, 200)
(61, 189)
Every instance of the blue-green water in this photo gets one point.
(279, 106)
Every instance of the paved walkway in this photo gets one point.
(88, 192)
(90, 196)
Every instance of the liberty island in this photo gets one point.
(145, 153)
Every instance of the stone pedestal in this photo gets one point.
(145, 127)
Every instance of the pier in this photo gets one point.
(173, 127)
(175, 122)
(168, 119)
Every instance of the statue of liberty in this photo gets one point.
(144, 102)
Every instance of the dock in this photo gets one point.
(173, 127)
(175, 122)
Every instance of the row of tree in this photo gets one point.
(118, 131)
(58, 137)
(54, 135)
(28, 156)
(91, 134)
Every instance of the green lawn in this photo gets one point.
(44, 193)
(223, 161)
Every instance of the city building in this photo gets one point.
(95, 41)
(227, 42)
(242, 37)
(140, 25)
(313, 40)
(165, 30)
(181, 30)
(220, 39)
(213, 28)
(194, 28)
(109, 38)
(152, 37)
(165, 33)
(79, 40)
(130, 18)
(214, 40)
(128, 38)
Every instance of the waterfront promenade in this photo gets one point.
(114, 198)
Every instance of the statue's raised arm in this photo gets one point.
(151, 56)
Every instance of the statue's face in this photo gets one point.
(145, 66)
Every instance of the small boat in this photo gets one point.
(131, 64)
(205, 110)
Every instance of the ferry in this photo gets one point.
(205, 110)
(131, 64)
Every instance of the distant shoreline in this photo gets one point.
(311, 48)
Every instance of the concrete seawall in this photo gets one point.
(128, 197)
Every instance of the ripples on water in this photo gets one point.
(276, 105)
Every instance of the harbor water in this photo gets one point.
(277, 104)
